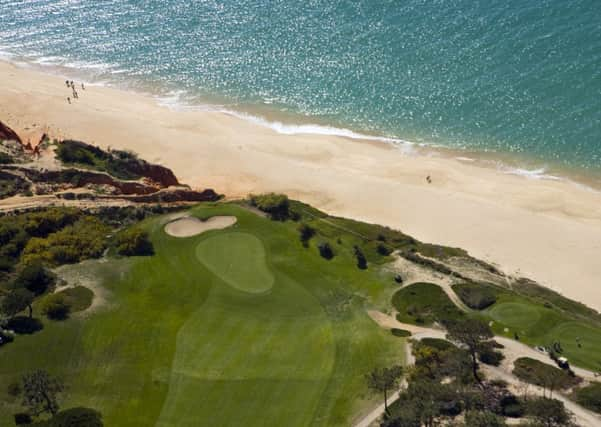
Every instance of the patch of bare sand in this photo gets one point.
(191, 226)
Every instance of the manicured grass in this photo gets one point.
(238, 259)
(424, 303)
(517, 315)
(542, 374)
(175, 341)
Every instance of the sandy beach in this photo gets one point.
(547, 230)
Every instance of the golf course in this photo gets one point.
(235, 326)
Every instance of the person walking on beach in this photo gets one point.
(67, 83)
(82, 87)
(428, 179)
(68, 100)
(75, 94)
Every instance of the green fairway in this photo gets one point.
(238, 259)
(226, 328)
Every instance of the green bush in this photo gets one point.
(383, 249)
(74, 417)
(361, 260)
(22, 418)
(400, 332)
(437, 343)
(55, 307)
(490, 356)
(134, 242)
(276, 205)
(84, 239)
(306, 233)
(476, 296)
(590, 397)
(325, 250)
(5, 159)
(541, 374)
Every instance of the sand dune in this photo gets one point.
(547, 230)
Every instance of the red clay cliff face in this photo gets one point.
(156, 173)
(8, 134)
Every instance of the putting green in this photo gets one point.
(516, 315)
(238, 259)
(589, 352)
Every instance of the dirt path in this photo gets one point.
(512, 351)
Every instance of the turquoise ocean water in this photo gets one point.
(516, 79)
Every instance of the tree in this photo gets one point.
(16, 301)
(40, 392)
(475, 335)
(548, 412)
(483, 419)
(361, 260)
(383, 380)
(35, 278)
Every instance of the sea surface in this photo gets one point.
(513, 79)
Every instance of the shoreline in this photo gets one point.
(290, 123)
(547, 230)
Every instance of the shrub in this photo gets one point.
(361, 260)
(400, 332)
(512, 407)
(590, 397)
(541, 374)
(22, 418)
(74, 417)
(84, 239)
(276, 205)
(55, 307)
(325, 250)
(134, 242)
(5, 159)
(483, 419)
(24, 325)
(383, 250)
(5, 338)
(475, 296)
(14, 389)
(490, 357)
(306, 233)
(437, 343)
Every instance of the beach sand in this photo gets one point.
(546, 230)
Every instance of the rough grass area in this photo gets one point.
(424, 303)
(78, 298)
(475, 295)
(590, 397)
(542, 374)
(176, 344)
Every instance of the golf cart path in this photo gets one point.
(512, 351)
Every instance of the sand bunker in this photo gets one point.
(191, 226)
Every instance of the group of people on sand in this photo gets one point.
(71, 85)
